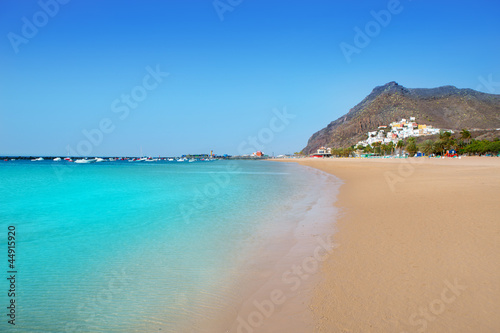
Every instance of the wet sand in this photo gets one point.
(277, 273)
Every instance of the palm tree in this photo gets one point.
(427, 147)
(383, 148)
(400, 145)
(411, 146)
(346, 152)
(390, 146)
(447, 141)
(439, 146)
(465, 135)
(452, 143)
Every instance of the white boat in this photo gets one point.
(57, 159)
(170, 159)
(85, 161)
(181, 160)
(37, 159)
(67, 159)
(98, 159)
(111, 159)
(192, 160)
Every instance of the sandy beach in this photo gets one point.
(419, 247)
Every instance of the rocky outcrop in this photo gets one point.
(445, 107)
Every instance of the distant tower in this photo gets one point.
(211, 153)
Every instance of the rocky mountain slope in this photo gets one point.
(445, 107)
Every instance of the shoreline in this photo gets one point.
(281, 302)
(419, 246)
(278, 271)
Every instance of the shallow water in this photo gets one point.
(134, 247)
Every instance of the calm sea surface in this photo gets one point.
(139, 247)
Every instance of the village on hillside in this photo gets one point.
(399, 130)
(395, 131)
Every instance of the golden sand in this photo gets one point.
(419, 247)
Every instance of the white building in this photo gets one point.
(324, 151)
(399, 130)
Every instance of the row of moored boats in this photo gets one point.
(112, 159)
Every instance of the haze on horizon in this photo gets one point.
(175, 77)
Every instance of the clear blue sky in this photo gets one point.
(225, 76)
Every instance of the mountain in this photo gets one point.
(445, 107)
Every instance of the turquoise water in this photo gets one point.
(138, 247)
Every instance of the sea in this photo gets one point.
(148, 246)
